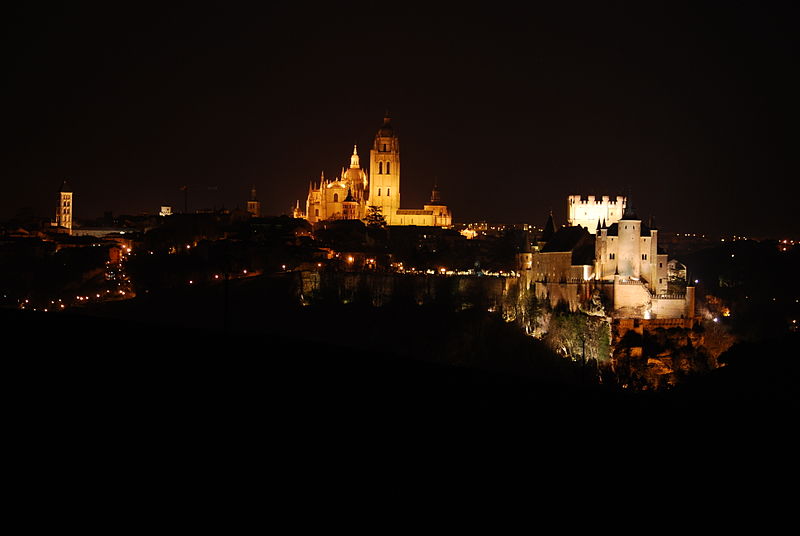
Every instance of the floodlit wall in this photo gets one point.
(586, 211)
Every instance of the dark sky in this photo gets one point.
(692, 107)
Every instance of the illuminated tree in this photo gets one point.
(375, 216)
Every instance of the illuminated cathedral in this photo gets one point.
(353, 194)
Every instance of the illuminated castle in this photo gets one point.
(622, 261)
(350, 195)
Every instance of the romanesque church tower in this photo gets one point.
(64, 208)
(384, 168)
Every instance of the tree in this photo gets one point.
(375, 216)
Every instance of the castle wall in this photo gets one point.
(669, 308)
(631, 298)
(556, 266)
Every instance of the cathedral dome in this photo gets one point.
(354, 175)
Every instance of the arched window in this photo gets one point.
(387, 168)
(335, 198)
(379, 191)
(380, 168)
(388, 190)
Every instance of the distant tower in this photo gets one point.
(436, 198)
(64, 209)
(384, 171)
(254, 205)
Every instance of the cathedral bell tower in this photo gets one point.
(384, 169)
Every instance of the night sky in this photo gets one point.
(691, 108)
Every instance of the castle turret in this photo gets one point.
(549, 228)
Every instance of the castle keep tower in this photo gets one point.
(64, 208)
(384, 165)
(630, 231)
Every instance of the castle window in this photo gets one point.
(388, 190)
(316, 212)
(387, 168)
(610, 255)
(380, 169)
(660, 264)
(379, 191)
(384, 147)
(644, 256)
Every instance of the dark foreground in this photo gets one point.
(74, 370)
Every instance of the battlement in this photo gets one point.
(589, 210)
(596, 200)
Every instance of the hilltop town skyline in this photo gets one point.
(687, 109)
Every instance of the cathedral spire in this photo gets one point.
(354, 163)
